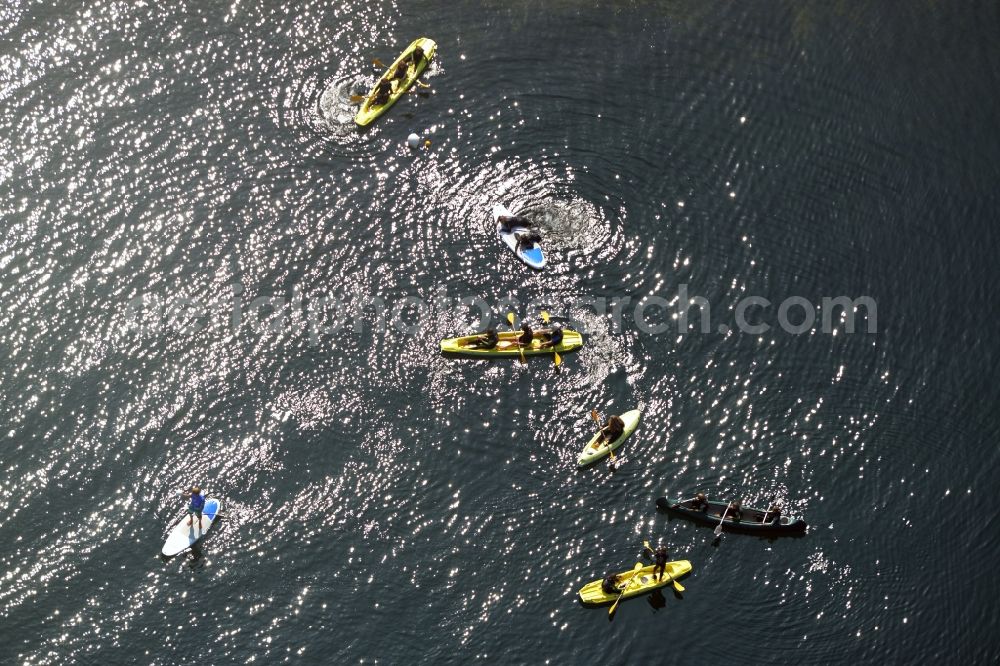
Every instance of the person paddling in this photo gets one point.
(416, 55)
(735, 512)
(700, 502)
(773, 514)
(382, 92)
(660, 556)
(553, 336)
(487, 340)
(614, 429)
(527, 335)
(400, 72)
(196, 505)
(610, 584)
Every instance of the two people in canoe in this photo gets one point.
(525, 238)
(196, 505)
(735, 509)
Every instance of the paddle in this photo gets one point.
(555, 355)
(679, 504)
(510, 320)
(614, 606)
(677, 586)
(718, 530)
(597, 420)
(770, 502)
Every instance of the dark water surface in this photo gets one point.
(387, 504)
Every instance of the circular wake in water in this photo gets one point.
(335, 110)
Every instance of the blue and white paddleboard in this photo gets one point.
(533, 255)
(182, 536)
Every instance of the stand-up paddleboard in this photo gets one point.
(596, 448)
(533, 255)
(182, 536)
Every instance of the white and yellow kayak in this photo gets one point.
(597, 448)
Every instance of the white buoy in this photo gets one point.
(413, 141)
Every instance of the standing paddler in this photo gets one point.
(660, 557)
(196, 506)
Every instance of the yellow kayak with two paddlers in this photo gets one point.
(369, 109)
(634, 582)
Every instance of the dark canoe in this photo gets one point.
(749, 524)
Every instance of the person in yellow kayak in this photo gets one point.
(610, 584)
(527, 335)
(614, 429)
(382, 93)
(487, 340)
(400, 72)
(553, 336)
(660, 557)
(415, 57)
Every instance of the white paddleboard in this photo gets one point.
(533, 255)
(182, 536)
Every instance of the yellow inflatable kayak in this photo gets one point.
(636, 581)
(508, 347)
(370, 111)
